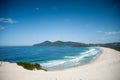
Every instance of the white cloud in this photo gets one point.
(37, 9)
(111, 33)
(1, 27)
(7, 20)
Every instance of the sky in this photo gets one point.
(27, 22)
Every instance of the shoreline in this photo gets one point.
(98, 54)
(80, 63)
(92, 61)
(106, 66)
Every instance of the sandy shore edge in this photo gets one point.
(105, 67)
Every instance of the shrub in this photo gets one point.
(30, 66)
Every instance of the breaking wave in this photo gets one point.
(70, 61)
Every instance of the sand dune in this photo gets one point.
(105, 67)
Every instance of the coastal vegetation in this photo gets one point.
(30, 66)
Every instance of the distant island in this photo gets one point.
(114, 45)
(61, 43)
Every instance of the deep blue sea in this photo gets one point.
(49, 56)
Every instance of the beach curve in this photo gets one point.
(105, 67)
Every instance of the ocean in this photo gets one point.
(50, 57)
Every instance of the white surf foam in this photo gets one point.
(70, 57)
(70, 60)
(85, 54)
(53, 63)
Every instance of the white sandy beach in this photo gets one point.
(105, 67)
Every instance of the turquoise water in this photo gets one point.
(49, 57)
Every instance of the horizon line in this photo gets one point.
(59, 40)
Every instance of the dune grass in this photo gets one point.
(30, 66)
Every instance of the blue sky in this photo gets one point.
(26, 22)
